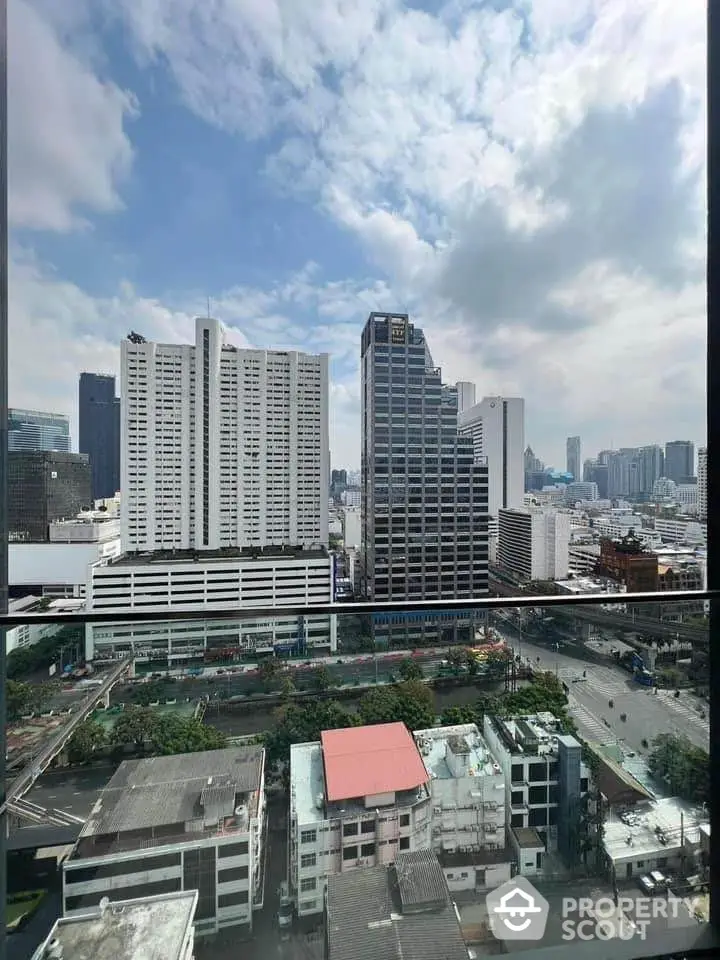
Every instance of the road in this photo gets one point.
(648, 714)
(74, 791)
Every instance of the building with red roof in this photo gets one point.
(358, 797)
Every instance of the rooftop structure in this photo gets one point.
(198, 793)
(451, 752)
(653, 835)
(389, 912)
(371, 760)
(152, 928)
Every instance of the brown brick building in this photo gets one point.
(626, 561)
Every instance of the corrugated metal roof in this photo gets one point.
(364, 761)
(365, 918)
(168, 790)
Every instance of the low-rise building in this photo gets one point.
(467, 788)
(358, 797)
(656, 835)
(628, 562)
(391, 911)
(545, 778)
(28, 634)
(214, 580)
(126, 930)
(186, 822)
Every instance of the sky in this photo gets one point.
(525, 178)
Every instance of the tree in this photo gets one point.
(173, 734)
(88, 737)
(682, 765)
(287, 687)
(267, 673)
(23, 698)
(320, 678)
(149, 693)
(135, 725)
(410, 702)
(454, 716)
(410, 669)
(457, 657)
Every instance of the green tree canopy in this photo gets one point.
(88, 737)
(320, 678)
(410, 702)
(454, 716)
(23, 698)
(135, 725)
(410, 669)
(682, 765)
(174, 734)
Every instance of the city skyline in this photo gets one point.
(481, 219)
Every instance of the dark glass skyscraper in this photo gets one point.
(680, 460)
(99, 412)
(424, 500)
(43, 486)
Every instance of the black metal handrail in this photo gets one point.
(355, 609)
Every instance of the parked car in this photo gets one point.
(285, 911)
(658, 879)
(646, 885)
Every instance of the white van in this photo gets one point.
(647, 885)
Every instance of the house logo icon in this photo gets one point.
(517, 911)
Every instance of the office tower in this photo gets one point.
(596, 472)
(99, 429)
(532, 464)
(424, 500)
(222, 447)
(533, 543)
(680, 460)
(573, 458)
(34, 430)
(618, 467)
(651, 462)
(702, 483)
(45, 485)
(465, 395)
(497, 428)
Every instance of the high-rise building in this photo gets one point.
(222, 447)
(702, 483)
(465, 395)
(424, 499)
(680, 460)
(532, 463)
(34, 430)
(99, 431)
(497, 428)
(651, 463)
(573, 457)
(45, 485)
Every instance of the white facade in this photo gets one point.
(686, 495)
(467, 787)
(85, 529)
(352, 527)
(58, 567)
(681, 531)
(328, 838)
(465, 395)
(132, 845)
(272, 579)
(581, 490)
(534, 543)
(497, 428)
(702, 483)
(27, 634)
(351, 498)
(222, 447)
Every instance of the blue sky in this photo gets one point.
(526, 179)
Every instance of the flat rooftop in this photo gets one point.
(225, 553)
(530, 735)
(196, 792)
(654, 828)
(367, 761)
(151, 929)
(435, 742)
(391, 912)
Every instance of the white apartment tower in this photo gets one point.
(497, 428)
(534, 543)
(702, 483)
(222, 446)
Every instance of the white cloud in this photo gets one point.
(528, 182)
(66, 142)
